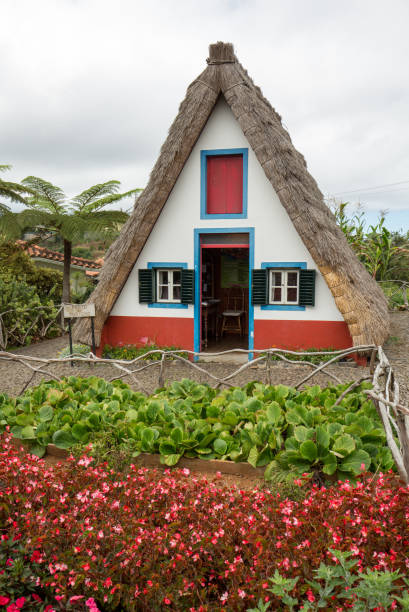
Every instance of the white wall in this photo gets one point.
(275, 236)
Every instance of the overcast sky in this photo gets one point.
(89, 88)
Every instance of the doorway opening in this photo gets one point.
(224, 284)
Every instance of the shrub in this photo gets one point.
(77, 349)
(131, 351)
(149, 541)
(26, 317)
(16, 263)
(305, 356)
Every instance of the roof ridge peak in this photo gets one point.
(221, 53)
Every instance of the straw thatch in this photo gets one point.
(356, 294)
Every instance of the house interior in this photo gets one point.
(224, 297)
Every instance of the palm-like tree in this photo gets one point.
(13, 192)
(49, 210)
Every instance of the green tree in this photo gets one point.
(49, 210)
(12, 192)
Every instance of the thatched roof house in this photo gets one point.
(356, 295)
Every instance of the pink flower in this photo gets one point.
(310, 595)
(167, 601)
(4, 600)
(20, 602)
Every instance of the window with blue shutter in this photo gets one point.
(283, 286)
(166, 285)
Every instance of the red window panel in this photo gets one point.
(224, 184)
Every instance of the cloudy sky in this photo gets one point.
(89, 88)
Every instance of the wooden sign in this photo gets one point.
(79, 311)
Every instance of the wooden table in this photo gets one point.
(209, 309)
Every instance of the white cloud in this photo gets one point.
(90, 87)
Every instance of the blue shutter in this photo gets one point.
(307, 288)
(146, 286)
(188, 287)
(259, 288)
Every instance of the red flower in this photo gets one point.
(310, 595)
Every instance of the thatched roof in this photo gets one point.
(356, 294)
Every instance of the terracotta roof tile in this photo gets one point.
(34, 250)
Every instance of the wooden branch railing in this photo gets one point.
(385, 392)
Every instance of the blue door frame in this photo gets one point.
(197, 260)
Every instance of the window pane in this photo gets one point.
(277, 279)
(176, 292)
(163, 277)
(292, 294)
(277, 294)
(176, 277)
(292, 279)
(163, 292)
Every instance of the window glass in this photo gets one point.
(284, 286)
(292, 279)
(169, 285)
(291, 294)
(163, 277)
(277, 294)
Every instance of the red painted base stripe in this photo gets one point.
(297, 335)
(166, 331)
(163, 331)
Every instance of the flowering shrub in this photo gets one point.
(152, 541)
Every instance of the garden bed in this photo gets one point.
(80, 537)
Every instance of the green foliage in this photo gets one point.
(131, 351)
(365, 591)
(77, 349)
(384, 254)
(16, 263)
(25, 316)
(306, 356)
(49, 208)
(12, 192)
(81, 287)
(275, 427)
(396, 293)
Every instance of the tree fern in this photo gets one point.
(49, 209)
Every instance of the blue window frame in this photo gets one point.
(282, 265)
(166, 265)
(203, 183)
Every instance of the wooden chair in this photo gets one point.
(233, 313)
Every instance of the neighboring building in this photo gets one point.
(46, 258)
(231, 235)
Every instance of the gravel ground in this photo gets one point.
(14, 376)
